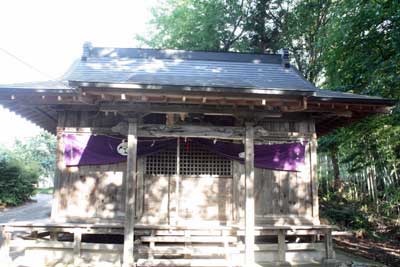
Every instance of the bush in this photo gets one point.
(17, 181)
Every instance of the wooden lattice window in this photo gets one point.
(162, 163)
(197, 160)
(194, 159)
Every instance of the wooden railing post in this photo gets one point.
(77, 246)
(329, 260)
(329, 254)
(282, 248)
(249, 184)
(130, 183)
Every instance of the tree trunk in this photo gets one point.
(336, 172)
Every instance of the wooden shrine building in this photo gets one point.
(183, 158)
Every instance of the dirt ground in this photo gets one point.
(384, 252)
(37, 209)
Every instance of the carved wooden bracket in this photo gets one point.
(231, 133)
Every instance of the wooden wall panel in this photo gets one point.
(205, 198)
(156, 200)
(92, 192)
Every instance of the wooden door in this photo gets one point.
(187, 185)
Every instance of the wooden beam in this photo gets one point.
(249, 189)
(130, 183)
(158, 130)
(190, 108)
(188, 130)
(170, 119)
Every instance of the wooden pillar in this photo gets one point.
(249, 191)
(177, 180)
(139, 189)
(314, 179)
(5, 248)
(130, 182)
(60, 168)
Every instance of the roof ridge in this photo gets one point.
(120, 52)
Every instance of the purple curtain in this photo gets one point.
(101, 149)
(287, 157)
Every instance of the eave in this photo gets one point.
(41, 105)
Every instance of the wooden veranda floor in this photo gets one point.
(169, 245)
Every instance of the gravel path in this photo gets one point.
(38, 209)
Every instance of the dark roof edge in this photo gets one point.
(180, 54)
(19, 90)
(185, 88)
(372, 101)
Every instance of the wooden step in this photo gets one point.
(194, 251)
(191, 239)
(193, 232)
(183, 262)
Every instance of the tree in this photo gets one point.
(263, 28)
(211, 25)
(39, 150)
(217, 25)
(17, 180)
(361, 55)
(361, 52)
(304, 32)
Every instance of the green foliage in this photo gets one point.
(22, 166)
(217, 25)
(17, 181)
(304, 32)
(350, 214)
(196, 25)
(361, 53)
(38, 150)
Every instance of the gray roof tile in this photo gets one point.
(188, 72)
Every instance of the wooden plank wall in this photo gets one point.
(283, 197)
(92, 192)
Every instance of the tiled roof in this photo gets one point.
(186, 68)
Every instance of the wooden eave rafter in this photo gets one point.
(100, 96)
(37, 105)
